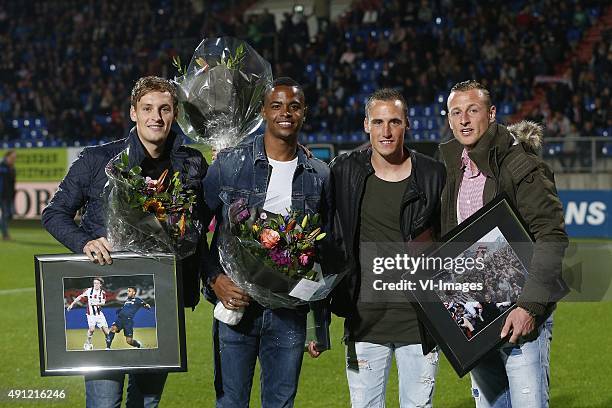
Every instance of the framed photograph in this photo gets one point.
(462, 302)
(127, 316)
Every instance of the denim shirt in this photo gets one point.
(243, 172)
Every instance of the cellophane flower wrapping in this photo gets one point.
(221, 92)
(149, 216)
(267, 255)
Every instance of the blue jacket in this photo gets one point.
(244, 172)
(82, 189)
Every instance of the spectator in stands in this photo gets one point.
(7, 191)
(92, 59)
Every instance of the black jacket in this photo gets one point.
(419, 211)
(7, 182)
(82, 188)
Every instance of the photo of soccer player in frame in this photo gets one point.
(441, 326)
(110, 313)
(96, 319)
(502, 275)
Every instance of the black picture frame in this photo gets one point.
(160, 326)
(436, 324)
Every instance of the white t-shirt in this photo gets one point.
(278, 196)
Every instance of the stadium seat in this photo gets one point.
(433, 136)
(414, 111)
(506, 108)
(553, 149)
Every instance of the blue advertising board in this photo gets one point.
(76, 318)
(587, 213)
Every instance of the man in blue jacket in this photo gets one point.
(271, 171)
(155, 148)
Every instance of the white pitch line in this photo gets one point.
(18, 290)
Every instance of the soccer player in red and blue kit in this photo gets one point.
(125, 319)
(95, 298)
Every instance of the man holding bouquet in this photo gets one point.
(157, 150)
(271, 172)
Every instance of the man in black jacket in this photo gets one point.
(155, 148)
(384, 194)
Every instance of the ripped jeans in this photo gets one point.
(368, 367)
(515, 376)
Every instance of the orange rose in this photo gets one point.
(269, 238)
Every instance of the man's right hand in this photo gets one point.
(229, 294)
(98, 251)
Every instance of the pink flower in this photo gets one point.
(269, 238)
(306, 258)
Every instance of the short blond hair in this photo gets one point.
(472, 84)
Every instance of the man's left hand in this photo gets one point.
(520, 322)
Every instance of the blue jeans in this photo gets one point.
(6, 214)
(105, 391)
(367, 371)
(515, 375)
(277, 338)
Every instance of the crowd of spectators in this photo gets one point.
(70, 63)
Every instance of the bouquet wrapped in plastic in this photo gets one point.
(148, 216)
(276, 259)
(221, 92)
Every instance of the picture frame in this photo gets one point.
(499, 233)
(137, 298)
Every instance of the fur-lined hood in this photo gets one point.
(493, 146)
(529, 133)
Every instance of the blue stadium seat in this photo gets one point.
(359, 137)
(553, 149)
(324, 138)
(429, 110)
(367, 87)
(506, 108)
(433, 136)
(414, 111)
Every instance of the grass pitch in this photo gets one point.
(581, 358)
(75, 338)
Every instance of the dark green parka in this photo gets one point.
(507, 156)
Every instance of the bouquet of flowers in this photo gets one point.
(148, 216)
(286, 244)
(221, 92)
(276, 259)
